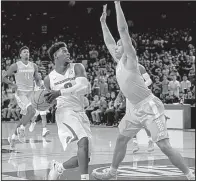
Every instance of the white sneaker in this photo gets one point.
(55, 171)
(12, 143)
(32, 125)
(150, 146)
(106, 175)
(21, 134)
(135, 147)
(45, 132)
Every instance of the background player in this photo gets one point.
(68, 84)
(145, 109)
(43, 114)
(25, 73)
(111, 45)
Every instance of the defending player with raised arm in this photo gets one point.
(68, 84)
(143, 110)
(25, 73)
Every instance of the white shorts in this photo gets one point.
(148, 114)
(72, 126)
(23, 99)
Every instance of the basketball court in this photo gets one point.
(31, 160)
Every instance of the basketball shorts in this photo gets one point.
(149, 114)
(72, 126)
(23, 99)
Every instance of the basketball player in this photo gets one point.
(148, 82)
(25, 73)
(68, 85)
(43, 114)
(111, 45)
(144, 109)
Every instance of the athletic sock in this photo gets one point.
(84, 176)
(113, 171)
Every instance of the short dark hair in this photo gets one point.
(54, 48)
(23, 48)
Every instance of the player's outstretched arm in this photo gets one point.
(124, 33)
(108, 38)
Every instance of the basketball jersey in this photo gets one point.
(58, 82)
(24, 76)
(131, 83)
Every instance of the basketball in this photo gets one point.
(38, 100)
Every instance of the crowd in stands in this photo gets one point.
(168, 56)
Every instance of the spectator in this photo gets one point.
(103, 87)
(100, 112)
(110, 112)
(185, 84)
(165, 84)
(96, 87)
(174, 87)
(94, 106)
(120, 105)
(157, 87)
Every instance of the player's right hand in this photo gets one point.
(104, 14)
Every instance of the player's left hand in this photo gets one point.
(117, 2)
(52, 95)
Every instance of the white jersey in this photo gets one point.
(132, 84)
(25, 76)
(58, 81)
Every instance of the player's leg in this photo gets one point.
(150, 143)
(28, 112)
(159, 133)
(79, 133)
(135, 144)
(127, 130)
(44, 123)
(175, 158)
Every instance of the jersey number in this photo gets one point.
(27, 76)
(67, 85)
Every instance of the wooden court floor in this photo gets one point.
(30, 161)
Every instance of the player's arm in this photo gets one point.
(108, 38)
(47, 83)
(10, 72)
(81, 87)
(36, 76)
(82, 84)
(129, 50)
(145, 75)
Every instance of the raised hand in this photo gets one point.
(104, 14)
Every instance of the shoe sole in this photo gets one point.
(47, 133)
(103, 179)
